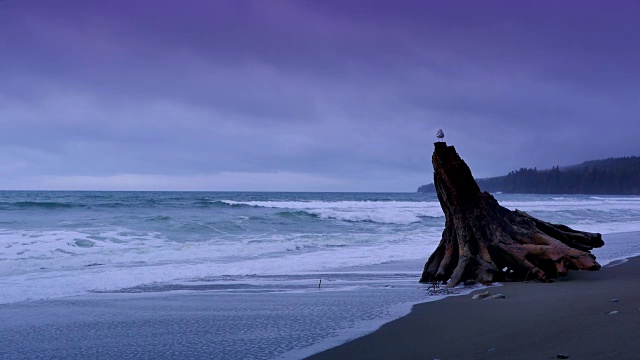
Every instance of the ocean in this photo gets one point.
(259, 275)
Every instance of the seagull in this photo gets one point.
(439, 134)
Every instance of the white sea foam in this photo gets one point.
(618, 246)
(47, 265)
(630, 198)
(607, 228)
(119, 266)
(407, 212)
(564, 205)
(385, 212)
(54, 262)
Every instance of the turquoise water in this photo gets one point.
(255, 256)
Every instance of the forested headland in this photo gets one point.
(613, 176)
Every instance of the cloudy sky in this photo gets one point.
(324, 95)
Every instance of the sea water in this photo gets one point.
(258, 275)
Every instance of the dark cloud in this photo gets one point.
(344, 94)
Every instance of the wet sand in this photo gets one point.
(571, 317)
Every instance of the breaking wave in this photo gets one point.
(383, 212)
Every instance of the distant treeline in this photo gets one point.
(613, 176)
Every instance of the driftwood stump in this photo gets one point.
(486, 242)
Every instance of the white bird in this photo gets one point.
(440, 134)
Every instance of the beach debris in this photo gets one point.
(613, 312)
(481, 238)
(483, 295)
(434, 289)
(496, 296)
(469, 282)
(562, 356)
(614, 300)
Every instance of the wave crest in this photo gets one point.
(383, 212)
(41, 205)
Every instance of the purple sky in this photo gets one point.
(325, 95)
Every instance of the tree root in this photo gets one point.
(486, 242)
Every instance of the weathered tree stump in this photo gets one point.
(486, 242)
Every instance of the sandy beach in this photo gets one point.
(587, 315)
(83, 291)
